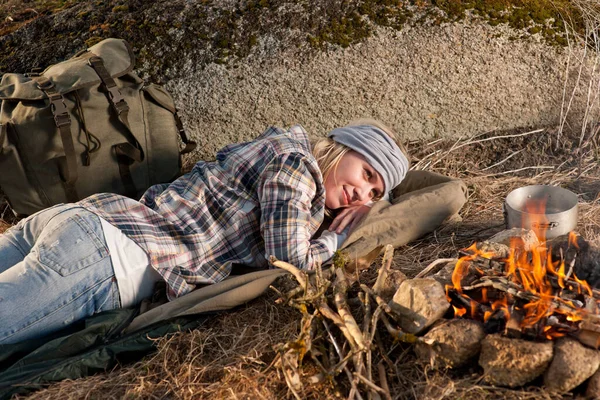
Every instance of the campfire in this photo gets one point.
(536, 316)
(526, 293)
(518, 305)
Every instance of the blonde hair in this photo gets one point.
(329, 153)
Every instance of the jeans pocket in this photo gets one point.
(71, 246)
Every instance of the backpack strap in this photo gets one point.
(189, 144)
(2, 134)
(126, 152)
(67, 165)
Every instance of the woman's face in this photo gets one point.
(353, 182)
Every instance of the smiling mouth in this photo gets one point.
(346, 197)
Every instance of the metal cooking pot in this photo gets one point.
(559, 218)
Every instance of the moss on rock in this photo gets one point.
(165, 34)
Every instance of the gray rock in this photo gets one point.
(572, 364)
(235, 69)
(453, 343)
(391, 284)
(513, 362)
(419, 303)
(593, 387)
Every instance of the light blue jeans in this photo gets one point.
(54, 270)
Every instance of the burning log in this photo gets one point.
(546, 293)
(494, 249)
(444, 275)
(572, 364)
(513, 362)
(419, 303)
(523, 239)
(452, 343)
(586, 257)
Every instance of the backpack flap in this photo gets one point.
(72, 74)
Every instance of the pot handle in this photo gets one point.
(549, 226)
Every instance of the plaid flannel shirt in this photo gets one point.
(260, 198)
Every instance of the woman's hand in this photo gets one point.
(348, 217)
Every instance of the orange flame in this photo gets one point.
(536, 209)
(536, 272)
(573, 240)
(459, 312)
(462, 265)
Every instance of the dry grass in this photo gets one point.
(232, 355)
(16, 13)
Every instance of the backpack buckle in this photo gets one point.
(44, 84)
(60, 112)
(37, 71)
(117, 100)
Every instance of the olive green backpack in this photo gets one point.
(83, 126)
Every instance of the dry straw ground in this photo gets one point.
(232, 355)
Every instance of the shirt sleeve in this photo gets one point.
(153, 191)
(333, 240)
(286, 193)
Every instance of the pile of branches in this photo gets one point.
(338, 341)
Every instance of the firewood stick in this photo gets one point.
(399, 335)
(294, 292)
(279, 293)
(340, 288)
(365, 300)
(384, 271)
(594, 292)
(432, 265)
(337, 348)
(370, 374)
(288, 379)
(366, 305)
(298, 274)
(377, 298)
(318, 275)
(571, 266)
(380, 302)
(374, 322)
(383, 381)
(383, 351)
(327, 312)
(310, 298)
(343, 360)
(369, 383)
(342, 365)
(298, 306)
